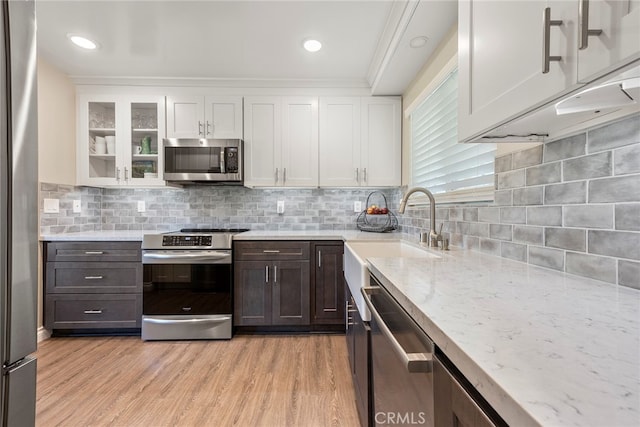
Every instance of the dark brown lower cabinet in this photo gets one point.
(454, 405)
(271, 293)
(327, 284)
(92, 286)
(358, 336)
(289, 283)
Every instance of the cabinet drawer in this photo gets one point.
(93, 311)
(93, 277)
(271, 250)
(93, 251)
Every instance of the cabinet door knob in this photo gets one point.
(583, 25)
(547, 22)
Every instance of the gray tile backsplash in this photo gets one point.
(570, 205)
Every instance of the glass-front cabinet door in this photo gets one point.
(120, 140)
(101, 134)
(146, 132)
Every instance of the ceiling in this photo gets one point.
(246, 43)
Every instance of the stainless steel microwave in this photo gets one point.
(203, 161)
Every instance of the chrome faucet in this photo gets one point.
(433, 235)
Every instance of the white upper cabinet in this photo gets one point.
(360, 141)
(281, 141)
(204, 117)
(500, 50)
(618, 41)
(381, 145)
(517, 56)
(299, 158)
(339, 142)
(119, 140)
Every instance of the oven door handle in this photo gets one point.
(194, 256)
(183, 321)
(414, 362)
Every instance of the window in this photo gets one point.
(452, 171)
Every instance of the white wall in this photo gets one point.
(56, 139)
(56, 126)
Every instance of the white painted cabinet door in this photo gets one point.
(223, 117)
(300, 141)
(339, 141)
(500, 50)
(185, 117)
(381, 146)
(619, 42)
(262, 141)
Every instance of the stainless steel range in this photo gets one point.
(188, 284)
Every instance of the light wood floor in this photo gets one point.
(247, 381)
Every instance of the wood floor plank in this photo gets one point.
(270, 381)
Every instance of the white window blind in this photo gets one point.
(452, 171)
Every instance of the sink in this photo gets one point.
(356, 271)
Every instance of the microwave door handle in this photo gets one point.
(223, 153)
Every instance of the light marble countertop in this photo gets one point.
(248, 235)
(114, 235)
(542, 347)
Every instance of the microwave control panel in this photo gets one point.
(231, 159)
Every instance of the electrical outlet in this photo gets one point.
(77, 206)
(141, 206)
(357, 206)
(51, 206)
(280, 208)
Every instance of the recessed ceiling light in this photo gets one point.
(312, 45)
(82, 42)
(419, 41)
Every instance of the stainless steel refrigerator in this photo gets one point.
(18, 212)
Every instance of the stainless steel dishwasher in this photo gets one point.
(402, 363)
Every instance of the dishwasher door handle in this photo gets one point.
(414, 362)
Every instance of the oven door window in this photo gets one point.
(193, 159)
(187, 289)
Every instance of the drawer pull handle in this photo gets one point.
(93, 311)
(271, 251)
(93, 277)
(94, 253)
